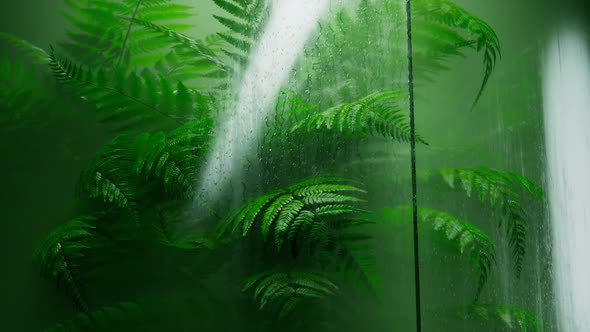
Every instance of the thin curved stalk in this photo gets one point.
(127, 34)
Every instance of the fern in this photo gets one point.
(283, 292)
(514, 318)
(173, 159)
(445, 13)
(24, 95)
(106, 33)
(498, 188)
(127, 99)
(358, 52)
(121, 171)
(316, 216)
(245, 21)
(466, 237)
(194, 54)
(109, 177)
(36, 53)
(59, 256)
(375, 114)
(280, 210)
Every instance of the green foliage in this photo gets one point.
(60, 256)
(318, 217)
(38, 54)
(355, 54)
(376, 114)
(121, 172)
(109, 176)
(465, 237)
(198, 60)
(498, 188)
(244, 20)
(442, 19)
(514, 318)
(133, 63)
(284, 292)
(104, 33)
(173, 159)
(129, 99)
(292, 212)
(24, 95)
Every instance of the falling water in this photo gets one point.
(290, 25)
(567, 131)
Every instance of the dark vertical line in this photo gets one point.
(413, 157)
(127, 35)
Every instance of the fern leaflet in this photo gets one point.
(376, 114)
(498, 189)
(283, 292)
(514, 318)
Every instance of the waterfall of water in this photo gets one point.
(290, 25)
(567, 130)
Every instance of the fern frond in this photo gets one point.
(466, 238)
(60, 253)
(107, 32)
(127, 99)
(109, 177)
(499, 189)
(24, 95)
(198, 50)
(322, 197)
(514, 318)
(245, 21)
(451, 15)
(283, 292)
(173, 159)
(377, 114)
(38, 54)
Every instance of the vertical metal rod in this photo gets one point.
(413, 157)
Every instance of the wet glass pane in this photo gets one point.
(496, 185)
(219, 165)
(208, 165)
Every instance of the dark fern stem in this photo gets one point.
(127, 35)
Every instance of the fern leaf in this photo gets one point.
(38, 54)
(245, 21)
(514, 318)
(59, 255)
(123, 99)
(499, 189)
(281, 208)
(186, 42)
(447, 13)
(109, 177)
(107, 33)
(24, 96)
(377, 114)
(173, 159)
(466, 238)
(283, 292)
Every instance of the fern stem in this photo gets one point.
(127, 34)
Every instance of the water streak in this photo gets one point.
(290, 25)
(567, 131)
